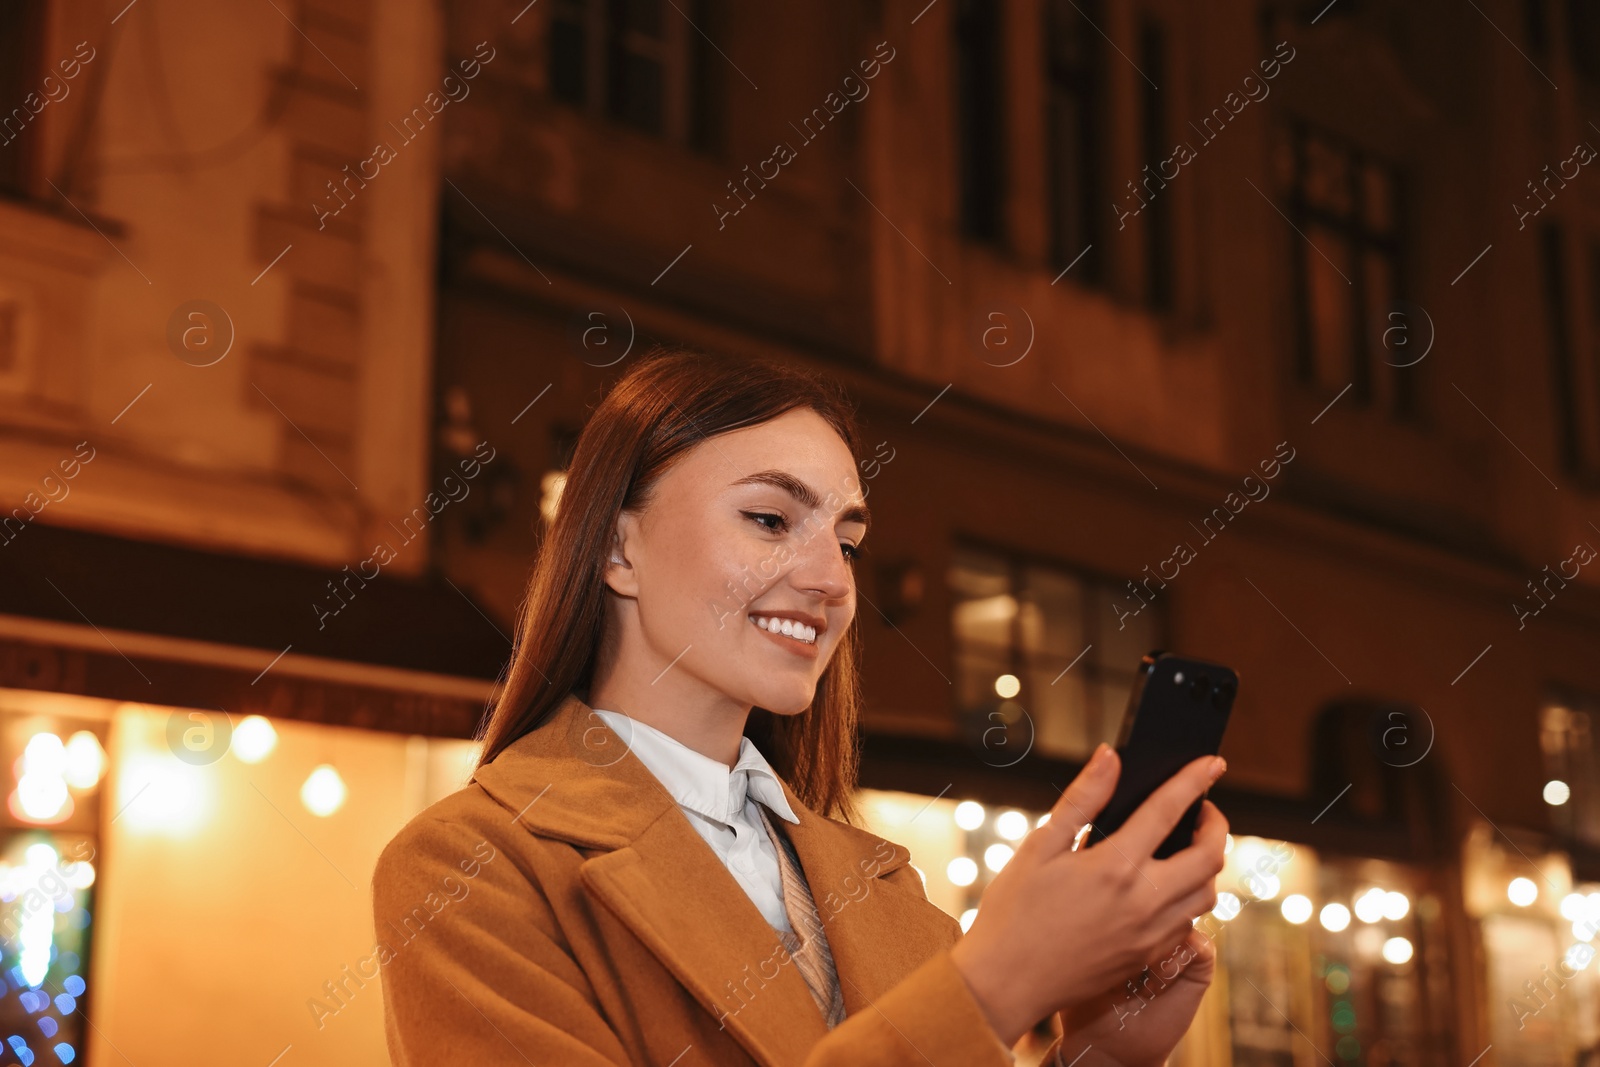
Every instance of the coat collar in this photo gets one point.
(574, 779)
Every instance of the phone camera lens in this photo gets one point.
(1200, 688)
(1222, 696)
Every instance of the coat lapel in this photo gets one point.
(574, 779)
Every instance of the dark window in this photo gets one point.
(1019, 624)
(569, 48)
(1155, 143)
(980, 109)
(1536, 25)
(708, 79)
(1583, 37)
(21, 30)
(636, 54)
(1572, 765)
(1553, 271)
(640, 64)
(1347, 271)
(1076, 108)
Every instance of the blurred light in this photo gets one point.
(997, 856)
(64, 1052)
(1369, 905)
(967, 917)
(1573, 905)
(323, 792)
(1334, 917)
(1578, 957)
(79, 875)
(1397, 950)
(85, 760)
(1583, 929)
(1522, 892)
(1228, 906)
(969, 815)
(1008, 685)
(1042, 820)
(1396, 905)
(44, 754)
(41, 798)
(1297, 908)
(1556, 792)
(1011, 825)
(1262, 886)
(921, 875)
(162, 794)
(962, 871)
(254, 739)
(1227, 845)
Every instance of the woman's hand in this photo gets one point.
(1059, 927)
(1140, 1022)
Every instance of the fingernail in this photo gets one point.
(1218, 765)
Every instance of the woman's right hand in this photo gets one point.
(1057, 927)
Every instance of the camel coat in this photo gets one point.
(561, 911)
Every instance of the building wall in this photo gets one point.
(288, 414)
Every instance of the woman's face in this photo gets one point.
(748, 534)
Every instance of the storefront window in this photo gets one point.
(1320, 958)
(49, 845)
(1541, 990)
(1045, 653)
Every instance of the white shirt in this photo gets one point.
(720, 804)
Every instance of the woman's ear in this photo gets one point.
(619, 573)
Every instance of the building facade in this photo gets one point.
(1267, 331)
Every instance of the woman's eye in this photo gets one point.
(759, 517)
(851, 552)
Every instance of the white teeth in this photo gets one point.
(788, 627)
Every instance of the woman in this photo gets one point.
(685, 675)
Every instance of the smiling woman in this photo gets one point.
(672, 785)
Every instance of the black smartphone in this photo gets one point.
(1177, 712)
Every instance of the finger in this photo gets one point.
(1081, 802)
(1201, 862)
(1153, 820)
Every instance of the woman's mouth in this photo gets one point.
(796, 636)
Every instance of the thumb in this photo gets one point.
(1084, 798)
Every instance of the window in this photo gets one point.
(1572, 766)
(21, 27)
(1565, 397)
(1155, 143)
(1583, 38)
(1075, 65)
(639, 64)
(980, 112)
(1347, 269)
(1019, 624)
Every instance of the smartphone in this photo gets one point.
(1177, 712)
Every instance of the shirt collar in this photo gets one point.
(697, 781)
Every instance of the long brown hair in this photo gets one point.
(671, 400)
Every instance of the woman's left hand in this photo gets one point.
(1139, 1027)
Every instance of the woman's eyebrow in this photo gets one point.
(805, 494)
